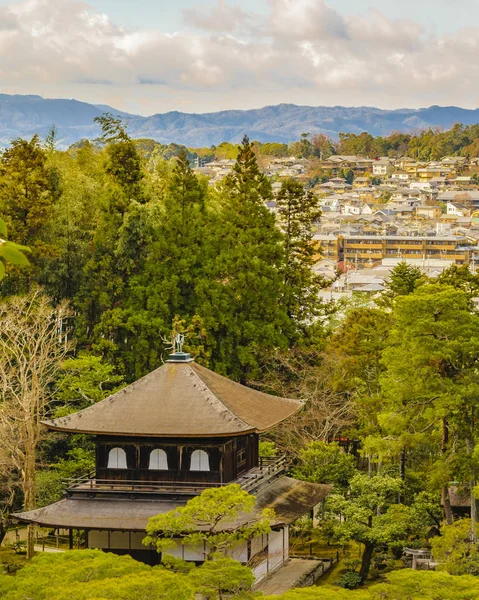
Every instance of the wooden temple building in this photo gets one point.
(163, 440)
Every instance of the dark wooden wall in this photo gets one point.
(228, 458)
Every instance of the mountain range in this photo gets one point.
(23, 116)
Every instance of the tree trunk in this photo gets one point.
(366, 562)
(29, 490)
(446, 501)
(470, 449)
(3, 530)
(402, 465)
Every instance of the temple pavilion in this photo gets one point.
(166, 438)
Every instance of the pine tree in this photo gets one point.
(298, 211)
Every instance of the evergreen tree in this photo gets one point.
(26, 204)
(177, 255)
(123, 163)
(298, 212)
(404, 280)
(430, 385)
(160, 251)
(244, 273)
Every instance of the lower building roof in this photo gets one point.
(289, 498)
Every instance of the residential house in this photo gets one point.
(458, 210)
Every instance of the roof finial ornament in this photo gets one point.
(178, 342)
(175, 343)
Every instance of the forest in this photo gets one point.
(107, 251)
(424, 145)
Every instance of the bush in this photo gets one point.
(352, 564)
(350, 580)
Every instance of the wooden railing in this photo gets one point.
(267, 470)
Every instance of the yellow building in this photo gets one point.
(364, 249)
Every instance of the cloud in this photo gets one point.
(301, 51)
(222, 17)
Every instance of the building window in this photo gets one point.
(200, 461)
(158, 460)
(117, 459)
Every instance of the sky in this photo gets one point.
(150, 56)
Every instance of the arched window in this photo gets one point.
(158, 460)
(200, 461)
(117, 459)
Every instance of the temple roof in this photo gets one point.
(289, 498)
(180, 400)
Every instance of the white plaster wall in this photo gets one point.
(194, 553)
(240, 553)
(286, 542)
(258, 543)
(260, 571)
(275, 549)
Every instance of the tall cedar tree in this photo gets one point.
(177, 255)
(170, 237)
(298, 211)
(241, 296)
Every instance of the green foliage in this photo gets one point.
(320, 462)
(76, 462)
(404, 279)
(267, 449)
(223, 577)
(205, 518)
(400, 585)
(243, 278)
(370, 515)
(454, 549)
(349, 580)
(426, 585)
(26, 201)
(273, 149)
(461, 278)
(322, 593)
(9, 251)
(90, 574)
(85, 380)
(298, 213)
(430, 384)
(113, 129)
(347, 174)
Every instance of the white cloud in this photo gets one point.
(302, 51)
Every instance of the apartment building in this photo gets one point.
(367, 249)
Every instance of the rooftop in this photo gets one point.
(288, 497)
(180, 399)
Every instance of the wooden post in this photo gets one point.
(70, 539)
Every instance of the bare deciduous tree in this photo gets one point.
(32, 346)
(326, 413)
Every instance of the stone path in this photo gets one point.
(290, 575)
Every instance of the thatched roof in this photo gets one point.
(180, 400)
(289, 498)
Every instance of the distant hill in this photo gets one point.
(22, 116)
